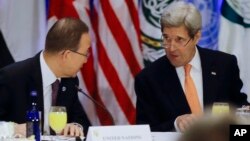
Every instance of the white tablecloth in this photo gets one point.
(165, 136)
(43, 138)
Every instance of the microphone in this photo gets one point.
(96, 103)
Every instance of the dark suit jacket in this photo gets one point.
(5, 58)
(17, 81)
(160, 97)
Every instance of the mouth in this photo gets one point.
(173, 55)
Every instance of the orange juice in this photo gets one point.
(57, 121)
(220, 109)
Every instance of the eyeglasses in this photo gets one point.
(180, 42)
(85, 55)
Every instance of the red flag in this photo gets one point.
(115, 59)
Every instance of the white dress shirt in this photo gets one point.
(196, 74)
(48, 77)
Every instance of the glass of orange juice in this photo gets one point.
(57, 118)
(220, 108)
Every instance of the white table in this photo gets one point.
(165, 136)
(45, 138)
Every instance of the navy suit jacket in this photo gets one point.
(19, 79)
(160, 97)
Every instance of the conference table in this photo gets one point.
(156, 136)
(43, 138)
(165, 136)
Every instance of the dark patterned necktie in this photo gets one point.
(55, 87)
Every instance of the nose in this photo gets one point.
(85, 61)
(172, 46)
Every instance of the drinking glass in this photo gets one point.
(243, 114)
(57, 118)
(220, 108)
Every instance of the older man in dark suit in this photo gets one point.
(174, 90)
(66, 50)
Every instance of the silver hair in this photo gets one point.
(182, 13)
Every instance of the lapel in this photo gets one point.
(209, 76)
(62, 92)
(172, 87)
(36, 80)
(66, 90)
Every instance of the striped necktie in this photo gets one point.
(55, 87)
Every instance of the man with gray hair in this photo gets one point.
(174, 90)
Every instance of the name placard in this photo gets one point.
(119, 133)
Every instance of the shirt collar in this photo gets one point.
(48, 76)
(196, 62)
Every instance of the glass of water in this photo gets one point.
(243, 114)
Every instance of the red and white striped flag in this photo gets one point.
(115, 59)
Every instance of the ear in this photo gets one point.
(197, 36)
(65, 55)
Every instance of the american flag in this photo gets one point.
(116, 56)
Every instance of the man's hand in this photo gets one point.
(72, 129)
(184, 121)
(20, 130)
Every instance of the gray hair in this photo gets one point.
(182, 13)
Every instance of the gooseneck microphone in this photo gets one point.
(96, 103)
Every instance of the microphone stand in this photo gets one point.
(96, 103)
